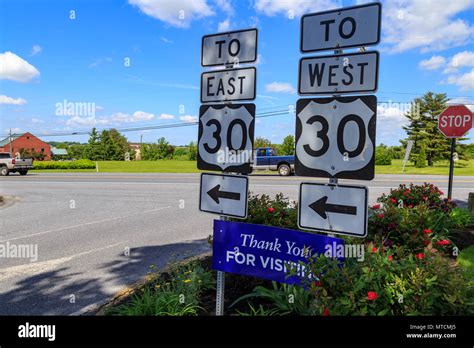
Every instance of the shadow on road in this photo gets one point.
(65, 291)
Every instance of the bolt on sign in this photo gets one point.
(233, 47)
(226, 136)
(455, 121)
(342, 28)
(335, 137)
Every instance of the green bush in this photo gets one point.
(178, 294)
(280, 211)
(382, 156)
(79, 164)
(389, 281)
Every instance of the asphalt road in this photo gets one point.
(96, 234)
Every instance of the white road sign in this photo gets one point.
(335, 137)
(340, 209)
(342, 28)
(225, 139)
(342, 73)
(228, 85)
(224, 194)
(233, 47)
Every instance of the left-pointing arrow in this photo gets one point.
(322, 208)
(215, 193)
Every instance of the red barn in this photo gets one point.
(26, 143)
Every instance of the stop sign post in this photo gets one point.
(454, 122)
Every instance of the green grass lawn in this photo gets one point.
(177, 166)
(466, 261)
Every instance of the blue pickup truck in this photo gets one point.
(266, 158)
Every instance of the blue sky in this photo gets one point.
(46, 57)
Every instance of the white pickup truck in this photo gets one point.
(12, 165)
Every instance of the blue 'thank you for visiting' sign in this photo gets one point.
(265, 251)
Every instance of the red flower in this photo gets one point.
(317, 283)
(376, 206)
(326, 312)
(427, 231)
(390, 258)
(443, 242)
(394, 201)
(374, 249)
(420, 256)
(440, 192)
(426, 242)
(271, 210)
(410, 206)
(372, 295)
(380, 216)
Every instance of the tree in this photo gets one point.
(262, 142)
(162, 149)
(423, 129)
(287, 148)
(420, 161)
(93, 148)
(192, 151)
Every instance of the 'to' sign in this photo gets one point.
(455, 121)
(232, 47)
(348, 27)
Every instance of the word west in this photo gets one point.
(19, 251)
(37, 331)
(66, 108)
(233, 156)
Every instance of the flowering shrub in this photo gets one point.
(279, 211)
(414, 195)
(389, 281)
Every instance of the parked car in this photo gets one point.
(266, 158)
(8, 164)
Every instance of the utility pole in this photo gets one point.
(11, 152)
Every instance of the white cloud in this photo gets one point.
(36, 49)
(166, 117)
(13, 130)
(86, 121)
(36, 121)
(460, 60)
(224, 25)
(433, 63)
(225, 6)
(188, 118)
(294, 7)
(178, 13)
(13, 67)
(425, 25)
(465, 81)
(391, 113)
(115, 119)
(280, 87)
(165, 40)
(11, 101)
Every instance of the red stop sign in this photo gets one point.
(455, 121)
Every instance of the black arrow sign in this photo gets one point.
(215, 193)
(321, 207)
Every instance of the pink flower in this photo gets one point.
(442, 242)
(394, 201)
(427, 231)
(271, 209)
(374, 250)
(390, 258)
(376, 206)
(380, 216)
(420, 256)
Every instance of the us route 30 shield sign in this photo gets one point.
(340, 209)
(225, 139)
(335, 137)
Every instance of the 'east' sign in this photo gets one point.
(228, 85)
(342, 28)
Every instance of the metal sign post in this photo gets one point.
(451, 168)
